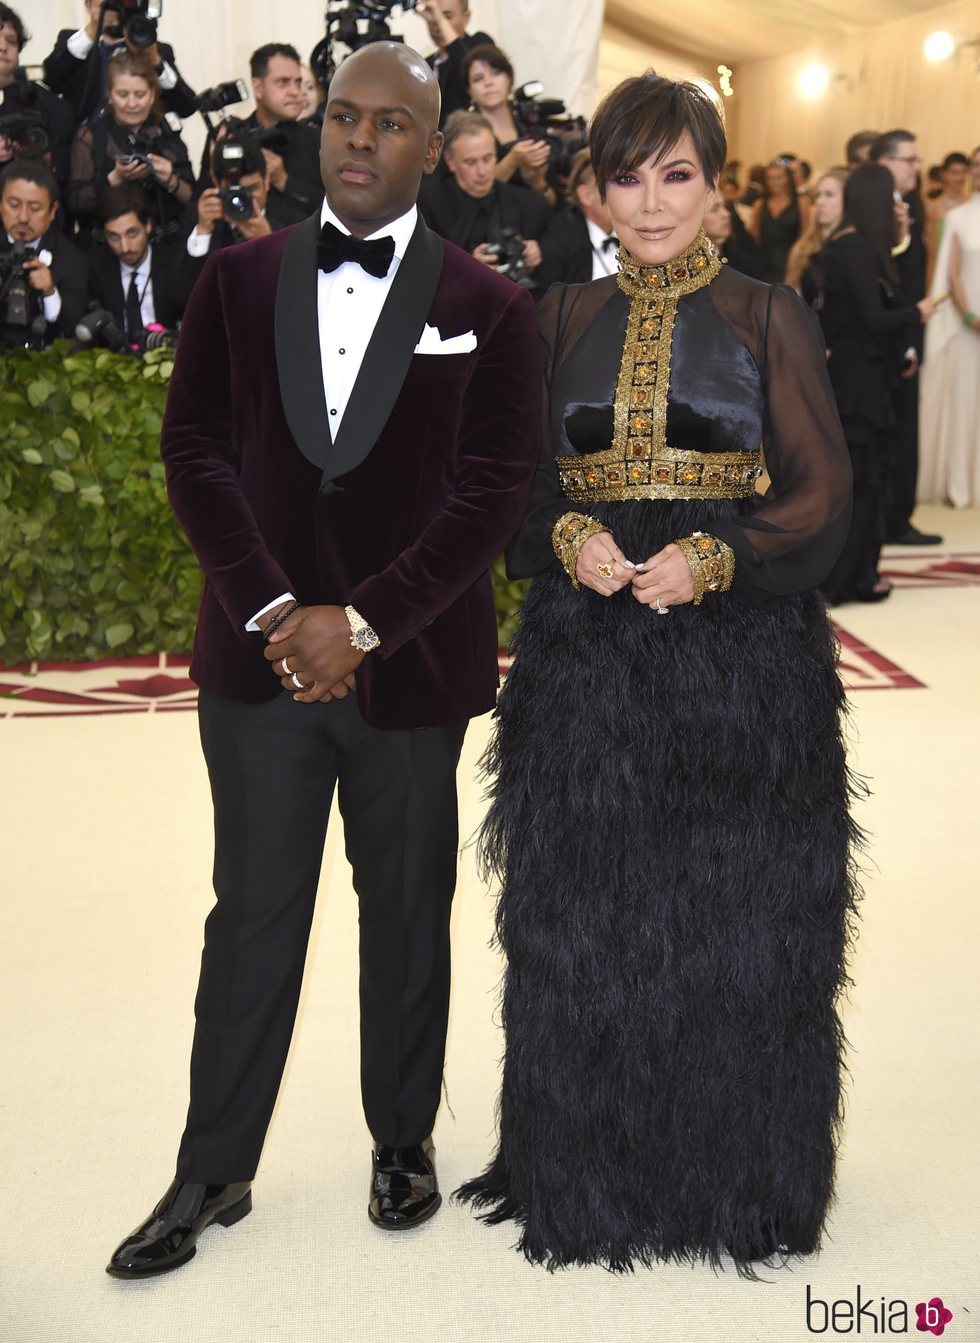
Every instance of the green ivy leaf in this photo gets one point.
(39, 391)
(118, 634)
(32, 457)
(63, 482)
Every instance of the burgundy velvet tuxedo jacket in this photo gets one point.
(401, 515)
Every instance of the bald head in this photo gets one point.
(380, 134)
(396, 67)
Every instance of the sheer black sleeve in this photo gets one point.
(530, 552)
(790, 542)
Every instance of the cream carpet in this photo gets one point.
(106, 876)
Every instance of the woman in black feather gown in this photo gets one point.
(669, 806)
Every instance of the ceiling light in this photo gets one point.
(813, 81)
(939, 46)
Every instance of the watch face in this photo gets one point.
(366, 640)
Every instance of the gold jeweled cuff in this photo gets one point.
(569, 535)
(712, 563)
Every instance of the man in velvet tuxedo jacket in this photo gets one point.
(359, 440)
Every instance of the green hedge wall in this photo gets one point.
(92, 562)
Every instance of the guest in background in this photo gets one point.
(20, 95)
(741, 250)
(955, 179)
(131, 144)
(131, 276)
(828, 210)
(521, 159)
(447, 22)
(935, 179)
(858, 148)
(294, 164)
(778, 220)
(950, 467)
(896, 150)
(866, 322)
(580, 244)
(313, 99)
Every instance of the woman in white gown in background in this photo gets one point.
(949, 466)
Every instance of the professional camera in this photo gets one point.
(509, 254)
(222, 95)
(145, 143)
(22, 120)
(138, 20)
(99, 327)
(344, 24)
(21, 307)
(546, 119)
(229, 167)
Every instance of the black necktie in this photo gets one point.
(134, 318)
(334, 248)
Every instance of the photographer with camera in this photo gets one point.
(580, 244)
(132, 277)
(131, 143)
(77, 68)
(34, 122)
(497, 223)
(523, 158)
(290, 147)
(43, 275)
(447, 21)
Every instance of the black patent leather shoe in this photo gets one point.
(911, 536)
(168, 1237)
(404, 1188)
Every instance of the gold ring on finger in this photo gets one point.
(605, 568)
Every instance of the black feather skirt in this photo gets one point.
(669, 824)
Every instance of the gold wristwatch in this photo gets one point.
(362, 636)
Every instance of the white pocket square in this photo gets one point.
(433, 343)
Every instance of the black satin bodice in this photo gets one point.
(716, 401)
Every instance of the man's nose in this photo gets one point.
(362, 138)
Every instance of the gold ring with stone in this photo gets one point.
(605, 568)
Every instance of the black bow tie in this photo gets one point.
(611, 241)
(334, 248)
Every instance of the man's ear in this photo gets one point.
(433, 152)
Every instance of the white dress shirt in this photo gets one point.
(51, 302)
(349, 303)
(144, 285)
(603, 258)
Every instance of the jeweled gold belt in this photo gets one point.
(673, 474)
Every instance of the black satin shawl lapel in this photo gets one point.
(298, 344)
(389, 352)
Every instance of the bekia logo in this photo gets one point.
(870, 1315)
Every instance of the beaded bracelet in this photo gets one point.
(278, 620)
(569, 535)
(711, 562)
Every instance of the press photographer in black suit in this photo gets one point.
(447, 21)
(56, 270)
(76, 68)
(580, 244)
(468, 206)
(132, 276)
(27, 108)
(294, 166)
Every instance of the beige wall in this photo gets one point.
(886, 82)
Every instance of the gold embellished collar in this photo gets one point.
(695, 267)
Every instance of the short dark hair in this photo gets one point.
(859, 141)
(869, 208)
(11, 17)
(123, 200)
(806, 169)
(885, 145)
(955, 159)
(30, 170)
(489, 55)
(259, 60)
(644, 116)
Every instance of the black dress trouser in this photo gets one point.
(273, 768)
(904, 465)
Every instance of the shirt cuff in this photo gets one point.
(80, 44)
(253, 624)
(199, 244)
(52, 307)
(911, 353)
(167, 77)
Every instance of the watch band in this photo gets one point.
(362, 636)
